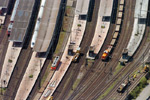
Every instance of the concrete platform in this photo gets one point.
(140, 16)
(9, 64)
(27, 83)
(136, 37)
(144, 94)
(76, 37)
(102, 26)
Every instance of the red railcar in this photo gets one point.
(55, 63)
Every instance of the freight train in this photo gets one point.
(106, 54)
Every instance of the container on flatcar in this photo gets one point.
(113, 41)
(115, 36)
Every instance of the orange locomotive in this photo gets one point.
(106, 53)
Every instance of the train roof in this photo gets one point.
(4, 3)
(57, 58)
(21, 20)
(82, 7)
(47, 25)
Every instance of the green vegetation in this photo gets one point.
(117, 69)
(102, 26)
(68, 11)
(79, 25)
(76, 83)
(45, 75)
(60, 42)
(138, 88)
(137, 72)
(2, 90)
(108, 90)
(148, 37)
(31, 76)
(9, 60)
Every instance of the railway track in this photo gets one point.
(131, 67)
(74, 68)
(124, 39)
(3, 41)
(17, 74)
(98, 65)
(131, 88)
(114, 95)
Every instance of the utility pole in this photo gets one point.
(143, 61)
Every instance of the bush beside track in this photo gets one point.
(138, 89)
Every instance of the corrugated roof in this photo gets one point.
(21, 20)
(47, 25)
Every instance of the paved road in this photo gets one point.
(144, 94)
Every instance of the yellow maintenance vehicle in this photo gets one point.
(123, 86)
(50, 98)
(146, 68)
(76, 56)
